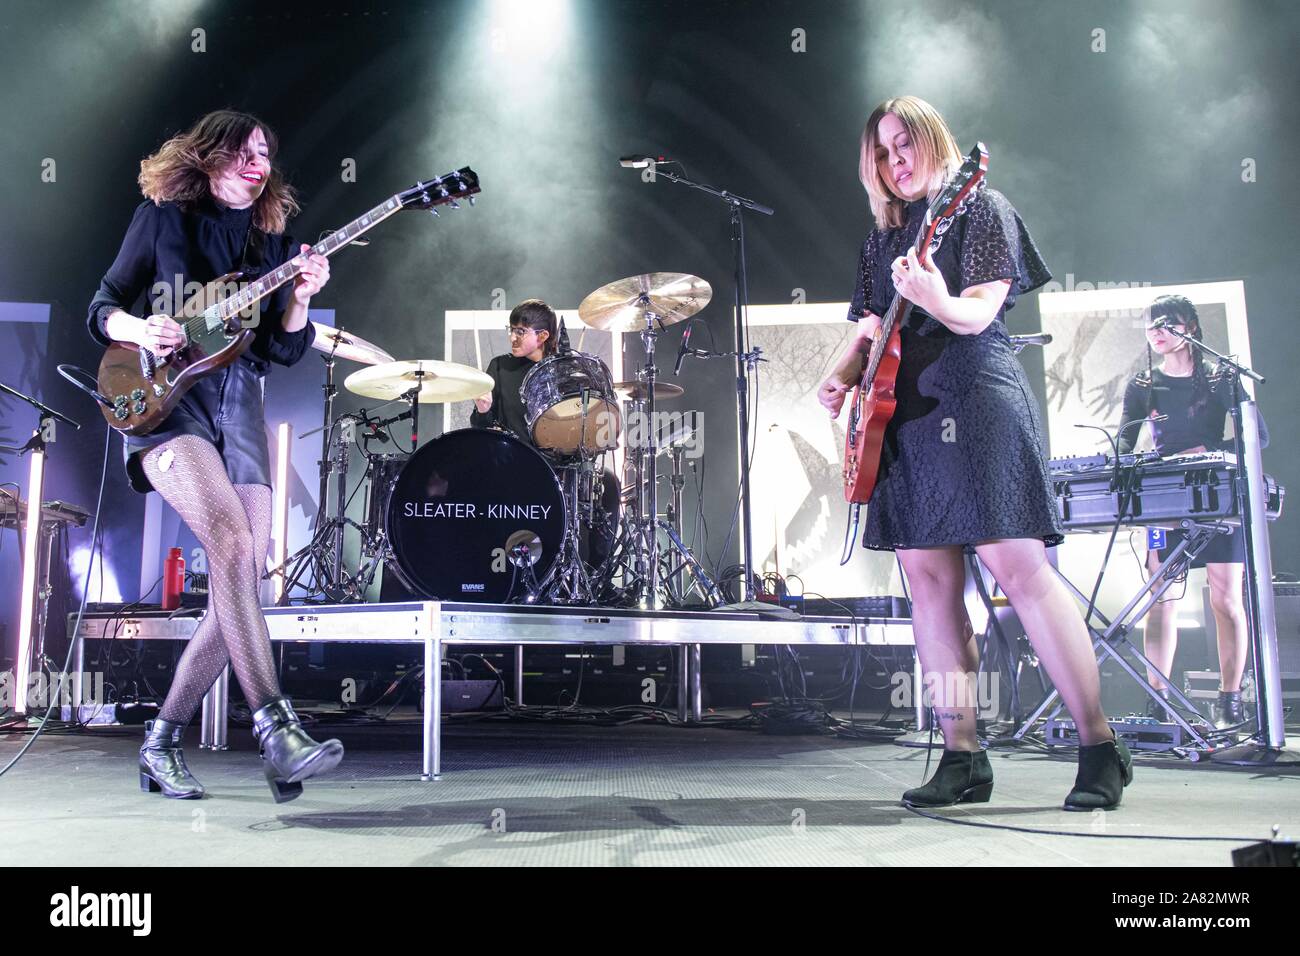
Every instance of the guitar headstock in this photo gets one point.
(443, 190)
(951, 200)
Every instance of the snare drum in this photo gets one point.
(467, 511)
(553, 392)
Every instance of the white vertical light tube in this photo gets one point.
(31, 547)
(280, 514)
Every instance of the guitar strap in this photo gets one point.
(250, 263)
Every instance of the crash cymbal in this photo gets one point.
(351, 347)
(439, 381)
(621, 306)
(637, 392)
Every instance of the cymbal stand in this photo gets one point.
(570, 579)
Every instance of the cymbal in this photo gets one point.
(621, 306)
(439, 381)
(351, 347)
(637, 392)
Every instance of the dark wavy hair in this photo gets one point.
(537, 315)
(178, 172)
(1178, 310)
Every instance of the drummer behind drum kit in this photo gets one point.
(479, 515)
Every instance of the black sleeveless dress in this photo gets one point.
(964, 455)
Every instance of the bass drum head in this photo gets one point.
(459, 508)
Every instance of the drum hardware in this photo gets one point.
(736, 205)
(636, 392)
(674, 559)
(647, 304)
(419, 382)
(572, 581)
(323, 555)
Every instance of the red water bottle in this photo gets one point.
(173, 580)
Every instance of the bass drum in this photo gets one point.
(467, 511)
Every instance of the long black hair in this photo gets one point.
(1178, 310)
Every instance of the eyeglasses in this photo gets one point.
(517, 332)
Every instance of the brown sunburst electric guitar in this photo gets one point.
(872, 403)
(139, 389)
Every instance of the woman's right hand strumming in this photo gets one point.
(832, 394)
(159, 333)
(849, 368)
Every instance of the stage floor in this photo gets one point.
(531, 795)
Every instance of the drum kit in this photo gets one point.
(480, 515)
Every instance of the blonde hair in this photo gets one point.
(935, 155)
(179, 170)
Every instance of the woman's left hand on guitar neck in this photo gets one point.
(311, 279)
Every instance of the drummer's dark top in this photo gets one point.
(507, 409)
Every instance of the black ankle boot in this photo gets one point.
(1154, 709)
(1230, 712)
(288, 754)
(162, 764)
(963, 776)
(1104, 771)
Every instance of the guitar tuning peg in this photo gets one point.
(471, 200)
(454, 204)
(433, 212)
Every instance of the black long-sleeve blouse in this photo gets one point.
(168, 247)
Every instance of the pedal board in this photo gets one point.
(1140, 733)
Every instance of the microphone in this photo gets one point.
(683, 349)
(1037, 338)
(639, 162)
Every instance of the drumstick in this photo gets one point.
(478, 350)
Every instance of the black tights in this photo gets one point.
(233, 524)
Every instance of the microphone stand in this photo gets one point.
(746, 362)
(1267, 746)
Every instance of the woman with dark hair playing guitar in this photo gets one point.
(961, 461)
(212, 195)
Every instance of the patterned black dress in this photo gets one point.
(963, 457)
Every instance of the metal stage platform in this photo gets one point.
(438, 624)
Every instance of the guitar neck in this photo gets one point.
(254, 292)
(896, 313)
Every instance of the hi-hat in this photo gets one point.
(345, 345)
(438, 381)
(637, 392)
(622, 306)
